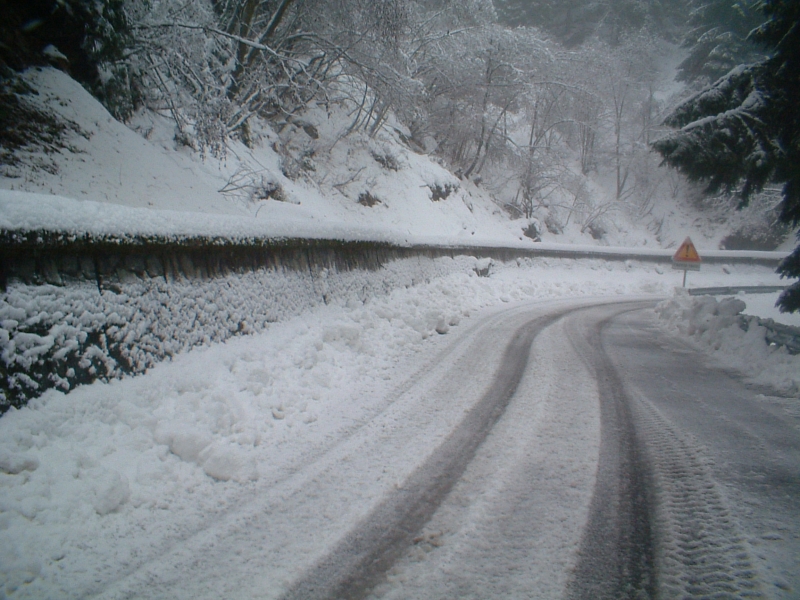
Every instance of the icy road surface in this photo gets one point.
(353, 450)
(558, 450)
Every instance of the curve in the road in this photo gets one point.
(658, 525)
(360, 562)
(616, 559)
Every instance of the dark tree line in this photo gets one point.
(743, 132)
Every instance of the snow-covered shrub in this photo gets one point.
(296, 164)
(596, 230)
(386, 159)
(441, 191)
(211, 126)
(533, 230)
(553, 224)
(368, 199)
(252, 185)
(483, 267)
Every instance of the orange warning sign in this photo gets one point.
(686, 257)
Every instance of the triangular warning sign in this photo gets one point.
(687, 253)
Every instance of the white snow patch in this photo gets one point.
(715, 326)
(98, 482)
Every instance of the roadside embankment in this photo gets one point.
(77, 307)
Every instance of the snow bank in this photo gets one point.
(97, 482)
(736, 340)
(65, 336)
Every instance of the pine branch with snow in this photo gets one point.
(743, 132)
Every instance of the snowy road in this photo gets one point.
(536, 450)
(681, 505)
(724, 462)
(330, 525)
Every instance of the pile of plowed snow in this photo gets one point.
(734, 339)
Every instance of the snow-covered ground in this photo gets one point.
(141, 167)
(139, 175)
(98, 481)
(105, 479)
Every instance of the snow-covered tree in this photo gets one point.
(743, 132)
(472, 80)
(87, 39)
(717, 38)
(214, 65)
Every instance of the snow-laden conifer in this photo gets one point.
(743, 132)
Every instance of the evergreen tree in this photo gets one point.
(575, 21)
(717, 38)
(744, 131)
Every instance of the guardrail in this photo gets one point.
(728, 290)
(40, 257)
(779, 334)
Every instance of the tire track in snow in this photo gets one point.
(360, 561)
(616, 559)
(701, 554)
(511, 526)
(688, 542)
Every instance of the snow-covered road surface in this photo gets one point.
(724, 459)
(353, 568)
(616, 558)
(695, 479)
(237, 469)
(366, 496)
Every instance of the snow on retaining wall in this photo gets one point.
(64, 336)
(77, 307)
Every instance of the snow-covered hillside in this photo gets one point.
(339, 186)
(142, 166)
